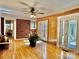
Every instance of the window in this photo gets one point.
(33, 25)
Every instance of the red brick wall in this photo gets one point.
(22, 28)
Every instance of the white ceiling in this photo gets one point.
(15, 9)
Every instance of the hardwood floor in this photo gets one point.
(18, 50)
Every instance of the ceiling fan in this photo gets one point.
(33, 10)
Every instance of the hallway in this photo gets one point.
(18, 50)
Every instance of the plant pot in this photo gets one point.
(32, 43)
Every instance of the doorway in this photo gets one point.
(9, 25)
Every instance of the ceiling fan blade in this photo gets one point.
(26, 12)
(45, 8)
(40, 13)
(23, 3)
(41, 8)
(36, 11)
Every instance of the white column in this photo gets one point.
(14, 29)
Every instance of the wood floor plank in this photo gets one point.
(18, 50)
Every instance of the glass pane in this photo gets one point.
(72, 28)
(8, 25)
(62, 32)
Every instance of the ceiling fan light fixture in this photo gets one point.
(32, 16)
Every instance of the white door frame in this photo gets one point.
(14, 21)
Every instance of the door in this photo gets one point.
(63, 33)
(68, 34)
(72, 33)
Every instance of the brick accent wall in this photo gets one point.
(22, 28)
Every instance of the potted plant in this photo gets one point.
(32, 39)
